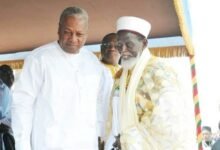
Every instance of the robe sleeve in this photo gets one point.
(24, 96)
(166, 120)
(104, 101)
(164, 126)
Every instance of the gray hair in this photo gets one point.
(73, 11)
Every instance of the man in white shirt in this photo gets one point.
(60, 97)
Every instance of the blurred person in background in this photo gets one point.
(109, 53)
(110, 58)
(6, 82)
(207, 142)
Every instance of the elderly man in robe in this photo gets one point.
(60, 97)
(146, 109)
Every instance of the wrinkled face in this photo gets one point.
(130, 46)
(72, 34)
(110, 53)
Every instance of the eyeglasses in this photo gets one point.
(110, 45)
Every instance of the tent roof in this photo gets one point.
(26, 24)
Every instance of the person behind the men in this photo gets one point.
(109, 54)
(6, 82)
(149, 115)
(207, 138)
(110, 58)
(59, 98)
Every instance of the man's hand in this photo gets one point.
(101, 144)
(4, 128)
(117, 144)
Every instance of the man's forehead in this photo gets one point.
(127, 34)
(206, 132)
(110, 39)
(70, 20)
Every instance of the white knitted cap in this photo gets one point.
(134, 24)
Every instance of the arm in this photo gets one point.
(160, 129)
(104, 101)
(167, 120)
(164, 126)
(24, 96)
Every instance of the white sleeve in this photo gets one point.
(104, 101)
(167, 120)
(24, 96)
(115, 115)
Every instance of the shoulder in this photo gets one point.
(39, 57)
(89, 55)
(91, 59)
(158, 67)
(156, 63)
(216, 145)
(159, 74)
(44, 50)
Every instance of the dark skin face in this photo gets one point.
(72, 34)
(110, 54)
(6, 75)
(129, 44)
(207, 136)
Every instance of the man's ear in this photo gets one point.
(59, 29)
(145, 42)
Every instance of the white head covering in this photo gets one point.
(134, 24)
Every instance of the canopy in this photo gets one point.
(26, 24)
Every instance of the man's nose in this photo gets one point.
(123, 48)
(113, 47)
(73, 37)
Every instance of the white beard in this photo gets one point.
(130, 63)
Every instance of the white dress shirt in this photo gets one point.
(60, 100)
